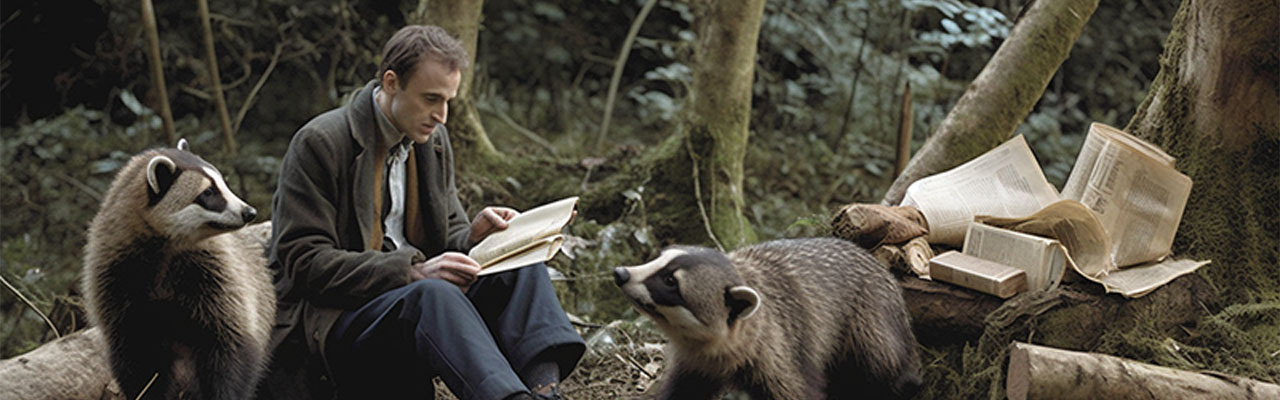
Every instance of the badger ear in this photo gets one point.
(160, 175)
(182, 145)
(742, 301)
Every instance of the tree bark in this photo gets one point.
(1003, 93)
(701, 165)
(1038, 372)
(1214, 107)
(461, 18)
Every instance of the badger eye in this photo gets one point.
(669, 280)
(208, 192)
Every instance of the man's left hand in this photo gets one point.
(490, 220)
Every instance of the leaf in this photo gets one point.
(950, 26)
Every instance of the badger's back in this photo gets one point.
(837, 308)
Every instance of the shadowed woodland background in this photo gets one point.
(76, 101)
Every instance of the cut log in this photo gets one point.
(73, 367)
(1039, 372)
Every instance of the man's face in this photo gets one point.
(421, 103)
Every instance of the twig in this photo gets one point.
(633, 363)
(144, 388)
(531, 135)
(904, 133)
(248, 100)
(617, 70)
(697, 194)
(29, 304)
(214, 80)
(157, 69)
(80, 185)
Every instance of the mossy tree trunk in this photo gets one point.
(697, 173)
(461, 18)
(1214, 106)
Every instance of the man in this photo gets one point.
(368, 251)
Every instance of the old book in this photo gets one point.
(531, 237)
(975, 273)
(1043, 259)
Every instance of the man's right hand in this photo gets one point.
(454, 267)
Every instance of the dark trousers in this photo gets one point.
(475, 341)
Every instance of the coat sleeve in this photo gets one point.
(305, 244)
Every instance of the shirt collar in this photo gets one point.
(394, 140)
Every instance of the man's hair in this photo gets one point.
(415, 43)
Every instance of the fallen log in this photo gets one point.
(72, 367)
(1040, 372)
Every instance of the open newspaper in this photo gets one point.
(1134, 189)
(531, 237)
(1005, 181)
(1123, 202)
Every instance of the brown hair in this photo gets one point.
(415, 43)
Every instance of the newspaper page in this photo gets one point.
(1088, 249)
(1005, 181)
(525, 231)
(1134, 189)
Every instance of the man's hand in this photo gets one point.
(490, 220)
(454, 267)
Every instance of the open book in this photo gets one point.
(531, 237)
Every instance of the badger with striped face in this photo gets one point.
(176, 288)
(787, 319)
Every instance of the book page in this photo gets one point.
(526, 228)
(1005, 181)
(1139, 201)
(535, 252)
(1042, 259)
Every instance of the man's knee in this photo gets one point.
(431, 291)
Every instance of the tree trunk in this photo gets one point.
(461, 18)
(701, 165)
(1214, 107)
(1037, 372)
(1003, 93)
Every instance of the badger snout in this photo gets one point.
(621, 276)
(248, 214)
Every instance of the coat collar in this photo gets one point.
(368, 176)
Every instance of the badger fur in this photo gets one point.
(177, 295)
(787, 319)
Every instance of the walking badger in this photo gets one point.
(176, 295)
(787, 319)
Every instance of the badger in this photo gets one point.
(185, 303)
(785, 319)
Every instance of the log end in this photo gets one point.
(1018, 381)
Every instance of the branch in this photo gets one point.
(157, 70)
(1003, 93)
(617, 70)
(214, 80)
